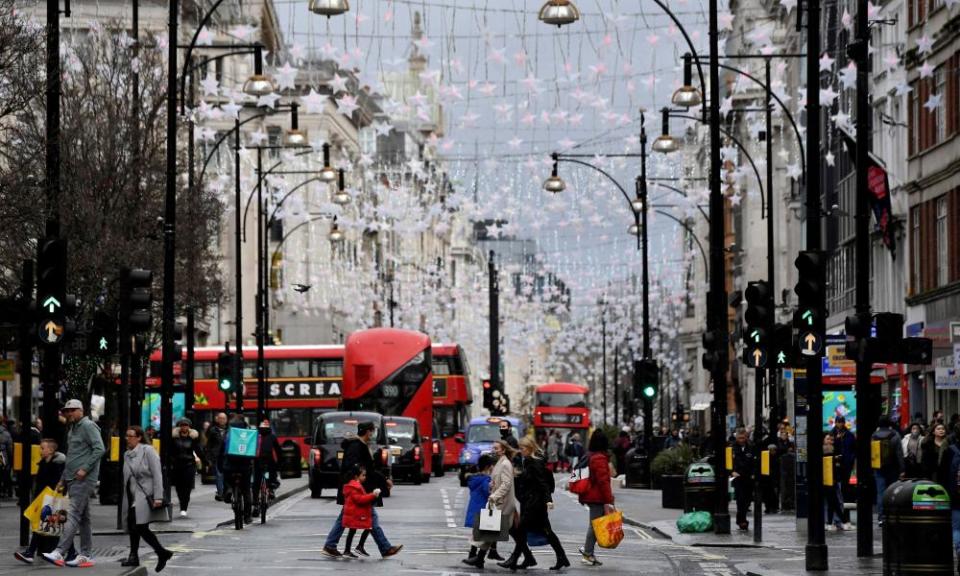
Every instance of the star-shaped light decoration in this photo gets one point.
(830, 158)
(297, 51)
(848, 76)
(257, 138)
(924, 45)
(242, 31)
(382, 128)
(794, 172)
(903, 89)
(933, 102)
(210, 85)
(231, 109)
(204, 37)
(788, 5)
(314, 102)
(826, 62)
(827, 96)
(514, 143)
(347, 104)
(286, 75)
(926, 70)
(268, 100)
(337, 83)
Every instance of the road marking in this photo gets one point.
(447, 509)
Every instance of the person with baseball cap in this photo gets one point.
(79, 478)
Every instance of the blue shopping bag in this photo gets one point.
(242, 442)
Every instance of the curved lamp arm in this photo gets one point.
(193, 42)
(260, 179)
(276, 250)
(224, 136)
(693, 52)
(276, 208)
(783, 107)
(756, 172)
(684, 194)
(703, 254)
(561, 158)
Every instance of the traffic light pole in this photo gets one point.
(717, 297)
(238, 272)
(758, 442)
(816, 547)
(25, 357)
(261, 230)
(867, 420)
(495, 383)
(645, 288)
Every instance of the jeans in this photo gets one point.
(881, 483)
(955, 520)
(218, 474)
(596, 511)
(78, 517)
(336, 532)
(833, 500)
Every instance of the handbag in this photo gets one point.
(491, 519)
(579, 482)
(162, 513)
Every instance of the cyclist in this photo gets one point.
(236, 470)
(268, 454)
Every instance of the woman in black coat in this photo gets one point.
(534, 486)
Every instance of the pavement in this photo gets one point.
(112, 545)
(780, 552)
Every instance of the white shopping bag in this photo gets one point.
(490, 519)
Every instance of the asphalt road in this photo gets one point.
(427, 520)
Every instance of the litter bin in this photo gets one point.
(917, 537)
(699, 486)
(290, 461)
(636, 468)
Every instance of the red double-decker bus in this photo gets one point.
(389, 371)
(452, 398)
(302, 382)
(563, 406)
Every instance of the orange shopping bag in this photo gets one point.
(609, 529)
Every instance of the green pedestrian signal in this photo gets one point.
(103, 344)
(781, 358)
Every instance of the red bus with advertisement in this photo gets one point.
(302, 382)
(389, 371)
(452, 398)
(561, 406)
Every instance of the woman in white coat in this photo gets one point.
(142, 494)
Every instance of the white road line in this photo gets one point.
(447, 509)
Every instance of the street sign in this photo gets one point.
(811, 344)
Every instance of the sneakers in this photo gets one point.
(589, 559)
(54, 558)
(361, 551)
(330, 552)
(183, 513)
(81, 561)
(848, 526)
(393, 551)
(27, 558)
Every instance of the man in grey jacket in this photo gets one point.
(80, 474)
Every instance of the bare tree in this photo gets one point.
(113, 177)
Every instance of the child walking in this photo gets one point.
(479, 485)
(357, 510)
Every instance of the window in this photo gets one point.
(204, 370)
(289, 368)
(915, 267)
(943, 264)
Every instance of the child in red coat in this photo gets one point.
(357, 508)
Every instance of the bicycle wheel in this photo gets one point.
(264, 502)
(237, 504)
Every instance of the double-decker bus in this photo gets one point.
(452, 398)
(561, 406)
(302, 382)
(389, 371)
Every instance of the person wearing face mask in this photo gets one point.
(506, 434)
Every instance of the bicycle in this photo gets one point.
(263, 497)
(237, 500)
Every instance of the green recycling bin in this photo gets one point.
(699, 487)
(917, 535)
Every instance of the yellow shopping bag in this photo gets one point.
(609, 529)
(32, 513)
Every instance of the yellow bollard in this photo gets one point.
(156, 445)
(875, 454)
(828, 470)
(17, 456)
(114, 448)
(729, 458)
(765, 463)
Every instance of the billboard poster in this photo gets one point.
(150, 410)
(839, 403)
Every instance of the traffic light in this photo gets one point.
(809, 319)
(712, 357)
(136, 301)
(880, 339)
(487, 394)
(225, 373)
(646, 379)
(781, 346)
(102, 340)
(759, 318)
(54, 308)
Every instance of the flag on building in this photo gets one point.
(878, 183)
